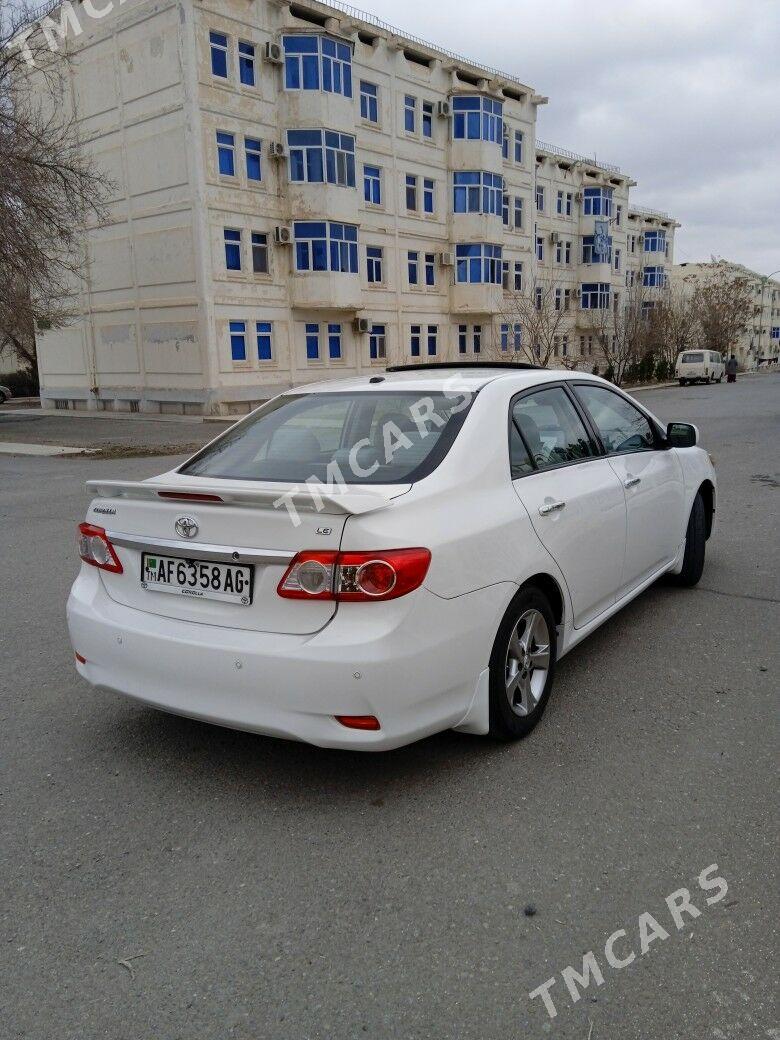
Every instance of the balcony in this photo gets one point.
(308, 201)
(326, 290)
(476, 298)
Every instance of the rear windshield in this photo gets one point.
(692, 359)
(353, 438)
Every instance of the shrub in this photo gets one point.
(22, 383)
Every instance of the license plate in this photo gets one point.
(198, 579)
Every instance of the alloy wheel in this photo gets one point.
(527, 662)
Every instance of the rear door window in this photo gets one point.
(550, 429)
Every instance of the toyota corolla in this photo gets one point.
(361, 563)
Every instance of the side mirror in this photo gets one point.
(682, 435)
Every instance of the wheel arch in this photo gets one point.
(547, 584)
(707, 492)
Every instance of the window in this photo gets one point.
(237, 340)
(569, 201)
(505, 275)
(477, 119)
(411, 192)
(566, 299)
(427, 119)
(252, 149)
(369, 101)
(477, 192)
(410, 114)
(476, 339)
(539, 296)
(567, 252)
(433, 339)
(518, 146)
(558, 252)
(478, 263)
(415, 335)
(312, 342)
(550, 430)
(376, 342)
(558, 299)
(653, 277)
(246, 63)
(372, 185)
(518, 275)
(334, 342)
(593, 251)
(618, 215)
(322, 155)
(430, 269)
(264, 333)
(620, 425)
(317, 62)
(632, 243)
(540, 197)
(259, 253)
(616, 257)
(413, 267)
(226, 154)
(511, 337)
(595, 295)
(326, 246)
(374, 259)
(429, 188)
(463, 339)
(518, 212)
(219, 55)
(597, 202)
(232, 249)
(505, 209)
(775, 332)
(559, 203)
(540, 248)
(655, 241)
(505, 143)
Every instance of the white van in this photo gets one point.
(699, 366)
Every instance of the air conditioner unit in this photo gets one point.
(505, 130)
(577, 293)
(361, 326)
(282, 235)
(446, 259)
(555, 237)
(444, 109)
(276, 150)
(578, 196)
(273, 53)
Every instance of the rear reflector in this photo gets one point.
(358, 721)
(187, 496)
(79, 658)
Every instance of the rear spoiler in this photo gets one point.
(320, 498)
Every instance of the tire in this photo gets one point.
(695, 545)
(720, 379)
(683, 382)
(519, 684)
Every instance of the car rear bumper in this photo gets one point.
(412, 662)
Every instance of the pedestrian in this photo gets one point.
(731, 370)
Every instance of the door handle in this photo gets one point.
(632, 482)
(551, 507)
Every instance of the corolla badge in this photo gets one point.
(186, 527)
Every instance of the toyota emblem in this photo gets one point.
(186, 527)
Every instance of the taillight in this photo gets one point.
(355, 576)
(97, 550)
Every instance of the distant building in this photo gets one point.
(303, 192)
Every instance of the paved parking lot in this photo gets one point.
(166, 879)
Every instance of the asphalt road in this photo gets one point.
(166, 879)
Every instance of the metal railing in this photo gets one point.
(564, 153)
(644, 211)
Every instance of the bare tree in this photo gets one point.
(725, 303)
(543, 315)
(49, 190)
(621, 329)
(674, 325)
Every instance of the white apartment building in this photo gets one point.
(302, 192)
(759, 344)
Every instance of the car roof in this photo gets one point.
(467, 377)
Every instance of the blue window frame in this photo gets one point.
(326, 246)
(653, 277)
(264, 332)
(372, 185)
(477, 119)
(219, 54)
(413, 267)
(476, 191)
(410, 114)
(312, 341)
(246, 63)
(317, 156)
(775, 332)
(433, 340)
(226, 154)
(430, 269)
(589, 254)
(655, 241)
(369, 101)
(597, 202)
(334, 341)
(411, 192)
(317, 63)
(238, 340)
(429, 189)
(232, 249)
(415, 337)
(377, 342)
(427, 119)
(374, 261)
(595, 296)
(478, 263)
(252, 149)
(518, 146)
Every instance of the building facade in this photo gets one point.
(300, 193)
(759, 344)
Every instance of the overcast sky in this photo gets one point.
(684, 96)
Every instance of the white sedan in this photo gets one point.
(364, 562)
